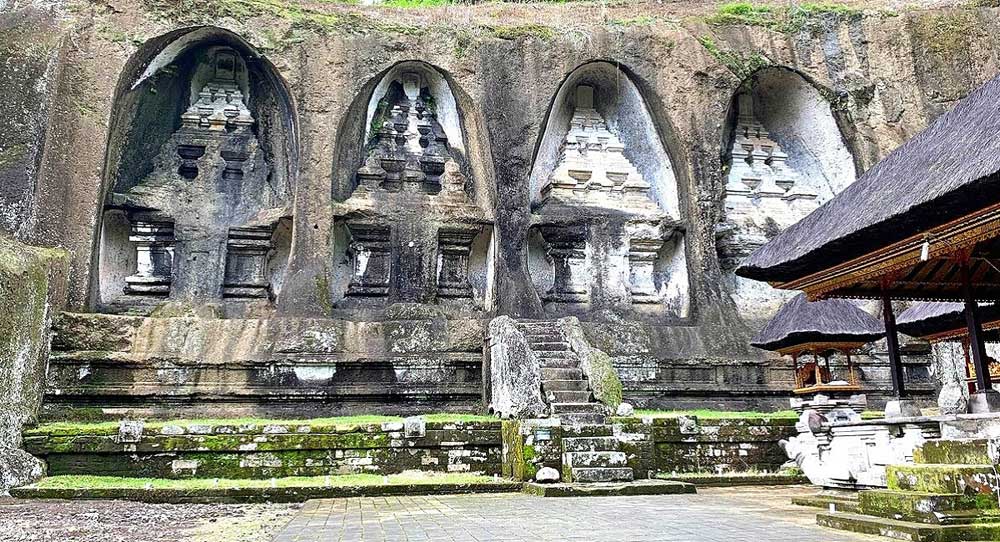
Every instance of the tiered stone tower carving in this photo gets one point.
(597, 217)
(763, 194)
(411, 221)
(202, 220)
(592, 168)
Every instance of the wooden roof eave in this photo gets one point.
(944, 241)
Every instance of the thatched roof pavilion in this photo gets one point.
(805, 325)
(937, 322)
(922, 224)
(819, 328)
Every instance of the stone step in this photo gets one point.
(602, 459)
(598, 429)
(956, 452)
(907, 530)
(560, 363)
(561, 374)
(555, 354)
(915, 506)
(589, 444)
(573, 408)
(549, 346)
(840, 502)
(962, 479)
(567, 385)
(600, 474)
(968, 517)
(567, 396)
(582, 418)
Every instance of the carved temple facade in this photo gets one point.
(261, 236)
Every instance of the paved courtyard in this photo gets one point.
(724, 515)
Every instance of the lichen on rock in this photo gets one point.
(596, 364)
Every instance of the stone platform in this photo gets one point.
(637, 487)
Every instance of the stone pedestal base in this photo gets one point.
(984, 401)
(901, 408)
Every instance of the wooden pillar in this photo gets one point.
(892, 342)
(975, 327)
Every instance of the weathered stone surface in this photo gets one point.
(547, 475)
(514, 372)
(29, 287)
(596, 365)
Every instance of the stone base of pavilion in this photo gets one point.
(918, 478)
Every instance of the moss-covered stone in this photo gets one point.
(27, 275)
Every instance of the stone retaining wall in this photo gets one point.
(265, 451)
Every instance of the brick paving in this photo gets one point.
(730, 515)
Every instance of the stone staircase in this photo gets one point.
(949, 493)
(590, 451)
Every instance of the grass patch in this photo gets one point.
(340, 422)
(792, 18)
(341, 480)
(716, 414)
(740, 64)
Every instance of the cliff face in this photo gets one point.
(880, 74)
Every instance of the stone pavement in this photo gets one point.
(724, 515)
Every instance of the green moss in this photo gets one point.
(788, 19)
(341, 423)
(717, 414)
(12, 154)
(604, 380)
(945, 33)
(323, 296)
(742, 65)
(343, 480)
(521, 31)
(641, 20)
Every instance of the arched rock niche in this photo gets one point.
(785, 156)
(608, 232)
(199, 176)
(412, 196)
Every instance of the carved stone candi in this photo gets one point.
(154, 254)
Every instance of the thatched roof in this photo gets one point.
(945, 172)
(829, 321)
(929, 319)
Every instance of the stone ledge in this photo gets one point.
(906, 530)
(639, 487)
(737, 479)
(261, 495)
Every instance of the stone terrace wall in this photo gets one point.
(188, 450)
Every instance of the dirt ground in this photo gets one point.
(121, 521)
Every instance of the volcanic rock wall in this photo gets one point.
(74, 69)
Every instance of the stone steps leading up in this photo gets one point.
(589, 444)
(601, 459)
(599, 474)
(577, 408)
(568, 396)
(567, 385)
(561, 374)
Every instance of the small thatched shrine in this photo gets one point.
(820, 328)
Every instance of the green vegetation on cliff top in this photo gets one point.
(791, 18)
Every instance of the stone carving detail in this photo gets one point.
(408, 148)
(246, 262)
(567, 250)
(762, 192)
(642, 256)
(154, 254)
(372, 260)
(592, 168)
(454, 249)
(211, 184)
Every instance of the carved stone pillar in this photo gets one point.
(454, 248)
(246, 261)
(567, 250)
(372, 260)
(154, 255)
(642, 254)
